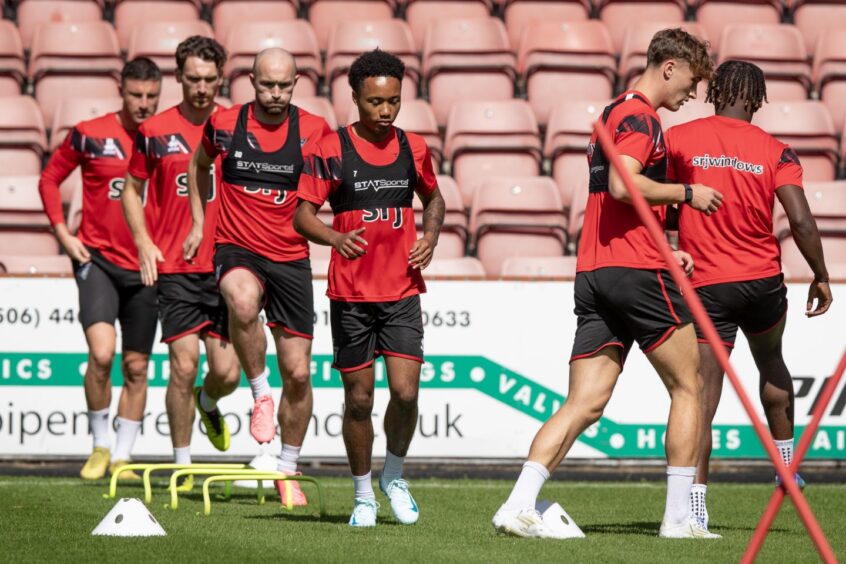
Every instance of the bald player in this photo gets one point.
(260, 261)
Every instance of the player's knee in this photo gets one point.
(359, 404)
(135, 371)
(183, 367)
(405, 399)
(244, 307)
(100, 361)
(297, 377)
(231, 378)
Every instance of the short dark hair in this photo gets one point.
(679, 44)
(140, 68)
(374, 63)
(205, 48)
(738, 79)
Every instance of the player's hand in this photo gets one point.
(821, 292)
(351, 245)
(75, 249)
(685, 261)
(705, 199)
(192, 243)
(149, 256)
(421, 253)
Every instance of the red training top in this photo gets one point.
(102, 147)
(747, 165)
(613, 234)
(371, 185)
(259, 220)
(164, 146)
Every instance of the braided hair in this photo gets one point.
(737, 79)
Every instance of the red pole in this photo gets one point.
(804, 443)
(648, 218)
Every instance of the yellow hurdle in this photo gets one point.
(148, 469)
(259, 476)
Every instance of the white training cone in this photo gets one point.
(265, 462)
(129, 518)
(557, 520)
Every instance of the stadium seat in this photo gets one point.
(517, 217)
(778, 49)
(74, 59)
(567, 139)
(565, 60)
(71, 111)
(467, 60)
(636, 43)
(807, 127)
(350, 39)
(421, 14)
(714, 15)
(20, 202)
(129, 14)
(830, 73)
(22, 136)
(464, 268)
(35, 264)
(539, 267)
(827, 201)
(247, 39)
(226, 15)
(158, 41)
(453, 240)
(691, 110)
(320, 252)
(12, 63)
(319, 267)
(519, 14)
(491, 139)
(618, 15)
(813, 17)
(795, 267)
(28, 242)
(325, 15)
(32, 13)
(317, 105)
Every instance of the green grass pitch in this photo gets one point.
(50, 520)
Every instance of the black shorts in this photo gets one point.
(756, 306)
(108, 292)
(361, 331)
(287, 286)
(617, 306)
(190, 303)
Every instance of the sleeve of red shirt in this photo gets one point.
(633, 136)
(63, 162)
(209, 145)
(316, 180)
(789, 169)
(141, 164)
(427, 181)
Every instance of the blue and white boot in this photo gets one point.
(402, 504)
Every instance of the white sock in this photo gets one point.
(98, 426)
(785, 448)
(288, 459)
(127, 432)
(679, 482)
(207, 403)
(182, 455)
(364, 487)
(697, 502)
(259, 385)
(393, 467)
(529, 483)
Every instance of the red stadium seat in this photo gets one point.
(325, 15)
(491, 139)
(158, 40)
(636, 43)
(465, 268)
(351, 39)
(12, 65)
(320, 252)
(567, 139)
(830, 73)
(421, 14)
(691, 110)
(35, 264)
(20, 202)
(778, 49)
(618, 15)
(539, 267)
(129, 14)
(71, 111)
(517, 217)
(714, 15)
(565, 60)
(28, 242)
(453, 239)
(795, 267)
(247, 39)
(827, 201)
(813, 17)
(32, 13)
(228, 14)
(519, 14)
(74, 59)
(807, 127)
(22, 136)
(317, 105)
(467, 60)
